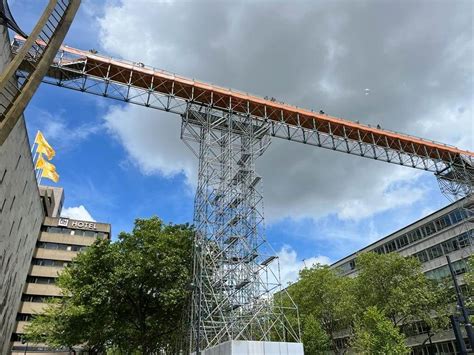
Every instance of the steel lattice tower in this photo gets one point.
(235, 270)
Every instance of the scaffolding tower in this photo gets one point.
(236, 272)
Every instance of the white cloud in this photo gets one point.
(79, 212)
(58, 131)
(254, 50)
(290, 264)
(151, 139)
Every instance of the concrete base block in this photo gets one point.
(244, 347)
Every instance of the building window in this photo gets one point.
(75, 232)
(465, 239)
(435, 252)
(59, 246)
(379, 250)
(391, 246)
(23, 317)
(459, 267)
(457, 215)
(352, 264)
(402, 241)
(347, 267)
(450, 245)
(41, 280)
(429, 229)
(47, 262)
(36, 298)
(442, 222)
(422, 256)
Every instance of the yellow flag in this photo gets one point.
(43, 146)
(50, 174)
(43, 164)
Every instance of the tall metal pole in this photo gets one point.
(458, 335)
(461, 305)
(198, 328)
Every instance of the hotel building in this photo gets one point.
(59, 241)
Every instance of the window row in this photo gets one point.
(459, 267)
(59, 246)
(47, 262)
(415, 235)
(424, 231)
(75, 232)
(447, 347)
(36, 298)
(456, 243)
(41, 280)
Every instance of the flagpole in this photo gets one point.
(34, 142)
(40, 176)
(34, 156)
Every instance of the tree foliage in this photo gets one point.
(376, 334)
(325, 303)
(398, 288)
(389, 289)
(129, 294)
(315, 339)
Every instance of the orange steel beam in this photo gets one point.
(242, 103)
(74, 63)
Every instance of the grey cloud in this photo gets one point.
(415, 57)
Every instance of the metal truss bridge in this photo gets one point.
(235, 270)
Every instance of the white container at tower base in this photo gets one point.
(245, 347)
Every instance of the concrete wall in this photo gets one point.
(21, 216)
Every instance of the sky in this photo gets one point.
(405, 65)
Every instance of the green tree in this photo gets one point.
(376, 334)
(129, 295)
(397, 287)
(326, 304)
(315, 339)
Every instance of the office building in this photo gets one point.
(448, 231)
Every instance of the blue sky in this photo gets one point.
(122, 162)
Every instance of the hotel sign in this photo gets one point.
(66, 222)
